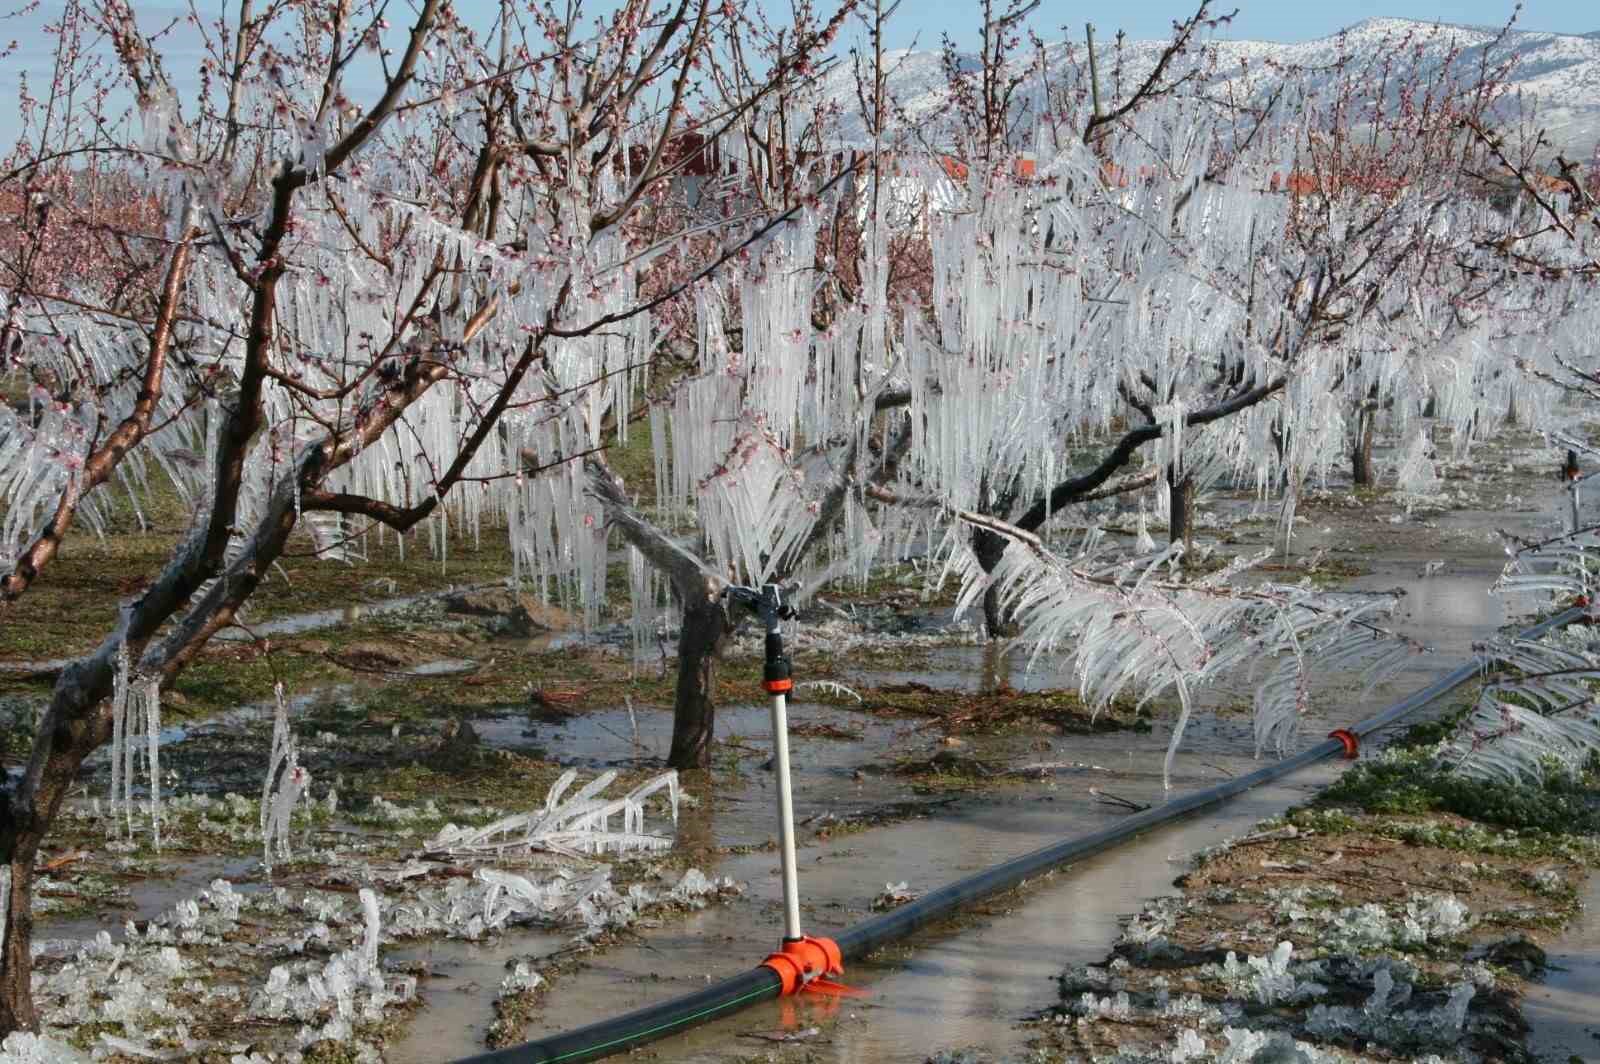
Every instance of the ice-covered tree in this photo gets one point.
(1207, 284)
(1201, 281)
(354, 313)
(1536, 711)
(1202, 285)
(763, 449)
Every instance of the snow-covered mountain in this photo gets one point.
(1559, 73)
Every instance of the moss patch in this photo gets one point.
(1409, 782)
(1005, 709)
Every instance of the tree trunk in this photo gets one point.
(996, 678)
(16, 962)
(694, 713)
(1281, 446)
(989, 546)
(71, 730)
(1362, 473)
(1181, 522)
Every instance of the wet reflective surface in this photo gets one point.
(864, 825)
(969, 982)
(1564, 1009)
(965, 983)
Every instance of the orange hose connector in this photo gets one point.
(1351, 741)
(803, 962)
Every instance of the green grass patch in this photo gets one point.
(1411, 782)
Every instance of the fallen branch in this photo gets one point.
(1107, 798)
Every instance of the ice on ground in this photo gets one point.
(1270, 980)
(20, 1047)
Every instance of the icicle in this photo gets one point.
(1286, 515)
(119, 706)
(1178, 727)
(369, 942)
(127, 707)
(150, 695)
(1416, 475)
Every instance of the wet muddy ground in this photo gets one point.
(1561, 1007)
(1334, 934)
(953, 760)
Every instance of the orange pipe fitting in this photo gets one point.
(804, 960)
(1352, 742)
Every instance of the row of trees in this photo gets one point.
(326, 312)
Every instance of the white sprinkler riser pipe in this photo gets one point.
(780, 767)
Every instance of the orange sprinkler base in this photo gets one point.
(804, 961)
(1352, 743)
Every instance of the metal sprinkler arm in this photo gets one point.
(802, 961)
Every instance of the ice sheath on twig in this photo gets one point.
(1130, 630)
(574, 826)
(1536, 709)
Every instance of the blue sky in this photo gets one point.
(919, 22)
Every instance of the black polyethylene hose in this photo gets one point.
(644, 1025)
(622, 1033)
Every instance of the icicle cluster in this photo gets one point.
(135, 734)
(493, 900)
(349, 988)
(1536, 708)
(1416, 475)
(574, 826)
(1128, 631)
(1542, 715)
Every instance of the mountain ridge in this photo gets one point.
(1559, 73)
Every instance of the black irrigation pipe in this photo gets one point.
(622, 1033)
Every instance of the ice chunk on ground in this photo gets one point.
(20, 1047)
(521, 980)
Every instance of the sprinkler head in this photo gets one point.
(768, 603)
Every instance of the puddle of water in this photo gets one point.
(824, 774)
(227, 724)
(462, 977)
(177, 880)
(301, 623)
(1562, 1008)
(442, 667)
(959, 986)
(1451, 612)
